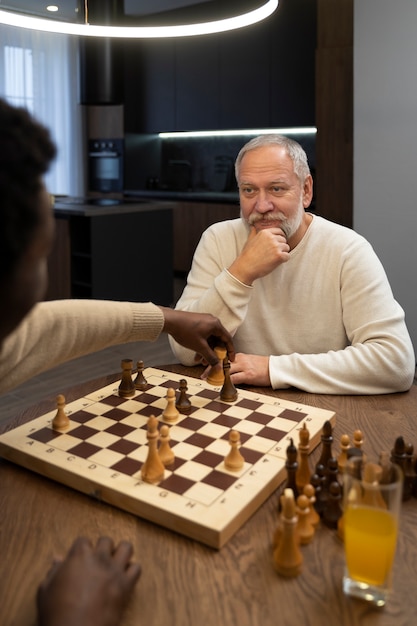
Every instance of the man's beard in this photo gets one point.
(289, 226)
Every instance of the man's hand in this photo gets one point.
(90, 587)
(199, 332)
(250, 369)
(263, 252)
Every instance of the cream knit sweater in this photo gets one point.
(327, 318)
(55, 332)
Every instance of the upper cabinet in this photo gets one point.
(259, 76)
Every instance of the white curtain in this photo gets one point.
(40, 71)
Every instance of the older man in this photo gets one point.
(307, 300)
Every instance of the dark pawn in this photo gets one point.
(140, 381)
(333, 510)
(399, 456)
(183, 404)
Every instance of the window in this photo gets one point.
(40, 72)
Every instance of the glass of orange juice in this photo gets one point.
(372, 503)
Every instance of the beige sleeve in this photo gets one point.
(58, 331)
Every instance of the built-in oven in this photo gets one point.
(105, 165)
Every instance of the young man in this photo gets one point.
(93, 584)
(307, 300)
(36, 338)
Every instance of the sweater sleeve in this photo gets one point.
(379, 357)
(58, 331)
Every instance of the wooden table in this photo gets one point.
(186, 583)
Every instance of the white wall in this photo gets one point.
(385, 141)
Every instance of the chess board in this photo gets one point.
(103, 450)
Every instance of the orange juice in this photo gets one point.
(370, 539)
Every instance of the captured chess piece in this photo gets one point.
(291, 465)
(140, 381)
(183, 403)
(302, 476)
(326, 444)
(358, 439)
(288, 559)
(166, 454)
(216, 374)
(153, 469)
(234, 461)
(127, 386)
(313, 516)
(61, 419)
(344, 447)
(305, 529)
(228, 392)
(170, 413)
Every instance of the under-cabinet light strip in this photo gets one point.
(302, 130)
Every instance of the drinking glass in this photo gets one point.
(372, 502)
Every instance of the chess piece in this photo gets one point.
(126, 387)
(358, 439)
(228, 392)
(287, 555)
(183, 403)
(140, 381)
(399, 456)
(291, 465)
(313, 516)
(61, 419)
(344, 447)
(326, 443)
(153, 468)
(371, 494)
(302, 476)
(166, 455)
(170, 413)
(216, 374)
(332, 512)
(305, 530)
(234, 461)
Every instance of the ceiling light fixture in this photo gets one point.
(140, 32)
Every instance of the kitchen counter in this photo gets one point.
(215, 197)
(94, 207)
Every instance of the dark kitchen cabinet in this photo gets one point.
(113, 256)
(259, 76)
(190, 220)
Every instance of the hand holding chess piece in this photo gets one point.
(216, 374)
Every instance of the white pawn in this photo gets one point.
(171, 413)
(61, 419)
(234, 461)
(165, 453)
(153, 468)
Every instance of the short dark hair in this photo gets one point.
(26, 151)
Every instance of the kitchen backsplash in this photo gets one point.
(188, 164)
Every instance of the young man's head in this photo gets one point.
(26, 221)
